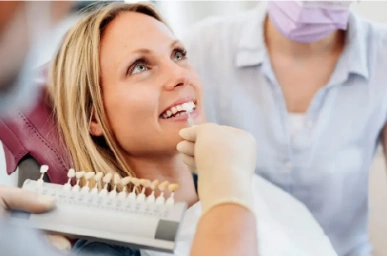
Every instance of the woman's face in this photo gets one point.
(146, 78)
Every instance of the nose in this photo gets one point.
(175, 76)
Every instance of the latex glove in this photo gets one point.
(225, 160)
(12, 198)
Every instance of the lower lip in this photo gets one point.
(182, 117)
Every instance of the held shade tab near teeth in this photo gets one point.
(179, 110)
(189, 108)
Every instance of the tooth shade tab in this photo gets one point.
(43, 169)
(188, 107)
(179, 110)
(71, 173)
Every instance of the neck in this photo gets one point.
(166, 168)
(277, 43)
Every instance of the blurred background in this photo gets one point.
(181, 15)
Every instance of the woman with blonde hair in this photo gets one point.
(118, 84)
(115, 88)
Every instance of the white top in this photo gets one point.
(285, 227)
(296, 122)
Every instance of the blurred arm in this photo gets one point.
(226, 229)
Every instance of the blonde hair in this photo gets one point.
(76, 93)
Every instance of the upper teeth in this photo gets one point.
(187, 107)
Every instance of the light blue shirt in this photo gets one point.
(326, 165)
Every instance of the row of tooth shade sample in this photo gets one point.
(115, 180)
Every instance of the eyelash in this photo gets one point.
(143, 62)
(136, 63)
(181, 50)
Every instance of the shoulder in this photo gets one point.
(92, 248)
(375, 33)
(368, 41)
(370, 55)
(213, 30)
(213, 42)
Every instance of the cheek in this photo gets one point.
(131, 117)
(199, 97)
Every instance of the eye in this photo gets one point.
(180, 54)
(138, 67)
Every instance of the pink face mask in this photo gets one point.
(308, 21)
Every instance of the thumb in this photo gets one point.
(19, 199)
(189, 133)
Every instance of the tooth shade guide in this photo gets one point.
(120, 187)
(110, 214)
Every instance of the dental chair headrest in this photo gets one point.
(35, 133)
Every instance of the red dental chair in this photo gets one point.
(31, 140)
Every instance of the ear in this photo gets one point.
(95, 127)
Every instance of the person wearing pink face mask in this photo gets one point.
(308, 80)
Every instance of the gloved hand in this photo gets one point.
(19, 199)
(225, 160)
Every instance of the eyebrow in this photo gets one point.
(145, 51)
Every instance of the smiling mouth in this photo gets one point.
(178, 110)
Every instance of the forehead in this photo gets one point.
(136, 30)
